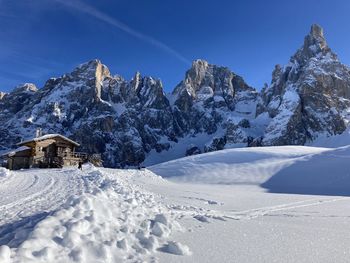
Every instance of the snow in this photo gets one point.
(57, 111)
(271, 204)
(4, 172)
(70, 216)
(204, 93)
(26, 88)
(218, 98)
(334, 141)
(278, 125)
(119, 108)
(13, 152)
(233, 166)
(48, 136)
(176, 248)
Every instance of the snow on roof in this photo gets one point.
(13, 152)
(48, 136)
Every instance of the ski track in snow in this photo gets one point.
(25, 193)
(204, 215)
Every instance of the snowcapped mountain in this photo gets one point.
(126, 120)
(308, 97)
(132, 122)
(213, 100)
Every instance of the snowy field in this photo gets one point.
(273, 204)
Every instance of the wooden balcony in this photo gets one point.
(74, 155)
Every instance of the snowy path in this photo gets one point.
(25, 193)
(92, 216)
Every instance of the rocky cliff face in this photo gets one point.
(210, 94)
(309, 96)
(131, 122)
(127, 120)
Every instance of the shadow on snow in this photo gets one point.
(15, 233)
(327, 173)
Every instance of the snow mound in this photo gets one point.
(4, 172)
(233, 166)
(326, 173)
(285, 169)
(176, 248)
(5, 254)
(111, 221)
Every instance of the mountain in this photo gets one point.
(215, 101)
(308, 97)
(212, 108)
(126, 120)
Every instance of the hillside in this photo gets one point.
(254, 204)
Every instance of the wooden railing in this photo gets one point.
(59, 159)
(73, 155)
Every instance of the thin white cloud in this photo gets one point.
(92, 11)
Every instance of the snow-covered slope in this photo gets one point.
(252, 165)
(285, 169)
(221, 207)
(70, 216)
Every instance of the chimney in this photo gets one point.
(38, 132)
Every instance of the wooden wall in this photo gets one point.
(42, 153)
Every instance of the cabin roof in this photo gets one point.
(13, 152)
(46, 137)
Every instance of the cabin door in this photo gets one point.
(26, 162)
(50, 153)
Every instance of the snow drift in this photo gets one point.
(284, 169)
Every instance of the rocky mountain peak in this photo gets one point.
(25, 88)
(93, 73)
(195, 75)
(199, 66)
(16, 100)
(315, 46)
(208, 80)
(92, 68)
(315, 39)
(316, 31)
(308, 97)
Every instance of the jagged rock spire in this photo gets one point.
(316, 31)
(315, 45)
(308, 96)
(316, 38)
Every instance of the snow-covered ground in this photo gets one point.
(273, 204)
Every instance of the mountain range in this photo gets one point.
(132, 122)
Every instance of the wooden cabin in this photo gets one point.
(47, 151)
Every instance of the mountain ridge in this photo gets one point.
(212, 108)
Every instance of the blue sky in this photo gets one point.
(47, 38)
